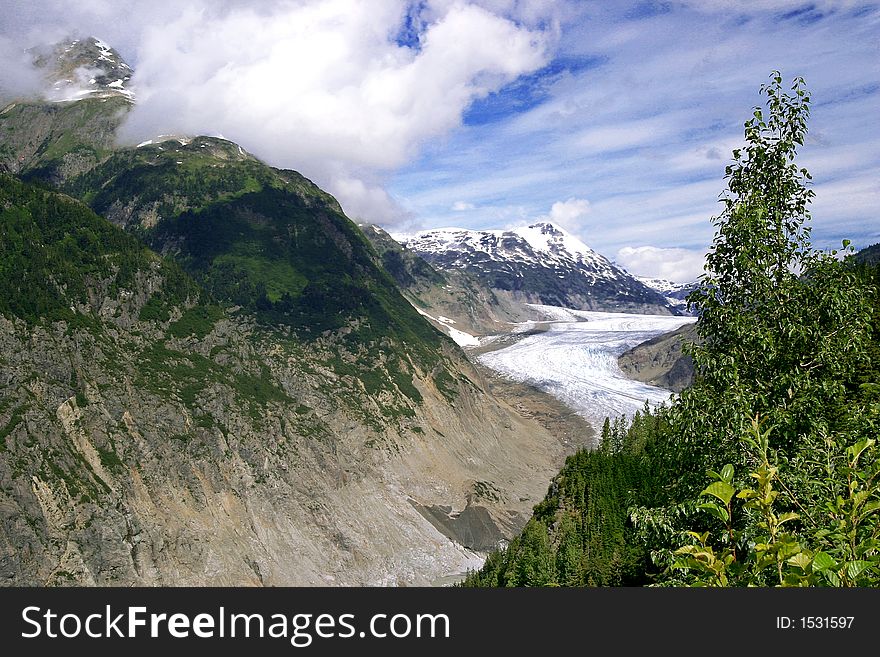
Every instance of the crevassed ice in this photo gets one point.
(576, 360)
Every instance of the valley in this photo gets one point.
(246, 388)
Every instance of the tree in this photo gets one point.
(786, 333)
(783, 326)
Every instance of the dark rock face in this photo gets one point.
(78, 68)
(473, 527)
(660, 360)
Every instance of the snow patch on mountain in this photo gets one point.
(461, 338)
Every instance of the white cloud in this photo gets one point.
(569, 214)
(672, 264)
(364, 199)
(462, 206)
(17, 77)
(645, 120)
(323, 87)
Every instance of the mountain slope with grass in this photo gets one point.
(207, 376)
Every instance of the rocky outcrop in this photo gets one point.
(660, 361)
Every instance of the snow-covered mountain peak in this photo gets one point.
(675, 293)
(539, 263)
(547, 237)
(84, 68)
(540, 242)
(665, 286)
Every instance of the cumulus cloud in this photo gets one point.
(344, 91)
(569, 214)
(672, 264)
(327, 86)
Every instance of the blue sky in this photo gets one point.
(637, 114)
(613, 119)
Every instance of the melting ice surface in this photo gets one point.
(575, 360)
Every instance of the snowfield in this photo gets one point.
(575, 360)
(460, 337)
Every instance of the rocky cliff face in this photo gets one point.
(153, 436)
(118, 484)
(660, 361)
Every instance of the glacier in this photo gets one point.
(575, 359)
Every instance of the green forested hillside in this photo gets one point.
(267, 240)
(52, 248)
(870, 255)
(579, 534)
(766, 471)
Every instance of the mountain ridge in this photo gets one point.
(538, 263)
(254, 387)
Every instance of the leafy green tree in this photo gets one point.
(783, 326)
(786, 336)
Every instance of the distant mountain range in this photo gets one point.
(539, 263)
(674, 293)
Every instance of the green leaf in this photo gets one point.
(856, 568)
(785, 517)
(823, 561)
(801, 560)
(832, 577)
(869, 508)
(720, 489)
(717, 511)
(855, 451)
(727, 473)
(700, 537)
